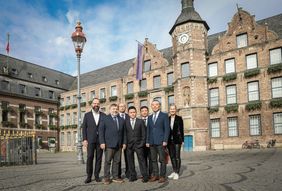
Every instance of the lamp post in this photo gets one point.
(78, 39)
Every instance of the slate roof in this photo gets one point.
(23, 68)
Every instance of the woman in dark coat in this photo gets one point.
(176, 138)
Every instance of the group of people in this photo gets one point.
(149, 137)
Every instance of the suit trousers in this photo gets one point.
(141, 160)
(174, 153)
(112, 154)
(158, 150)
(94, 148)
(148, 160)
(126, 165)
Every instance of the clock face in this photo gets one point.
(183, 38)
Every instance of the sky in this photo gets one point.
(40, 30)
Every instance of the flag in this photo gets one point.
(139, 62)
(8, 44)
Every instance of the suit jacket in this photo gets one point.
(176, 135)
(90, 130)
(159, 132)
(136, 138)
(110, 135)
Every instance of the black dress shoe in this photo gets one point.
(88, 180)
(98, 179)
(145, 180)
(132, 179)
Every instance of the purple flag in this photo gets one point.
(139, 62)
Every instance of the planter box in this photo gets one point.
(143, 94)
(229, 77)
(231, 108)
(129, 96)
(213, 109)
(274, 68)
(212, 80)
(251, 72)
(253, 105)
(113, 98)
(169, 89)
(276, 103)
(102, 100)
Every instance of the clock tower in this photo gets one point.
(189, 44)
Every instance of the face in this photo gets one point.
(172, 110)
(155, 106)
(96, 105)
(132, 113)
(121, 108)
(144, 112)
(114, 110)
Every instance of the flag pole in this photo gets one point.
(8, 51)
(140, 43)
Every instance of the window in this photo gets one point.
(68, 119)
(232, 127)
(212, 69)
(253, 91)
(51, 119)
(44, 79)
(185, 70)
(157, 81)
(147, 65)
(83, 97)
(252, 61)
(130, 104)
(255, 125)
(102, 93)
(29, 75)
(215, 128)
(277, 123)
(74, 118)
(22, 89)
(143, 85)
(74, 138)
(62, 102)
(22, 109)
(276, 85)
(242, 40)
(57, 82)
(37, 119)
(4, 104)
(231, 96)
(129, 87)
(170, 79)
(143, 103)
(37, 92)
(159, 99)
(170, 100)
(229, 66)
(275, 56)
(113, 90)
(62, 138)
(214, 97)
(51, 95)
(68, 138)
(68, 100)
(74, 99)
(62, 120)
(5, 85)
(92, 94)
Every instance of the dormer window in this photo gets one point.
(14, 71)
(57, 82)
(44, 79)
(29, 75)
(242, 40)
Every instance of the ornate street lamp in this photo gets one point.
(78, 39)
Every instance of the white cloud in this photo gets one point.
(72, 16)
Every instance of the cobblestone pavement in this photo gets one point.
(243, 170)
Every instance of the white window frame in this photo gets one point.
(230, 66)
(277, 123)
(251, 61)
(242, 40)
(276, 87)
(232, 124)
(231, 94)
(255, 125)
(215, 128)
(212, 69)
(213, 98)
(253, 92)
(275, 56)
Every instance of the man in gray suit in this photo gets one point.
(113, 139)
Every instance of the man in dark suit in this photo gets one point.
(144, 112)
(157, 137)
(123, 115)
(91, 124)
(136, 139)
(113, 139)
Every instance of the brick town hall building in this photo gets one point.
(227, 86)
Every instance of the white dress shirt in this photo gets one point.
(96, 116)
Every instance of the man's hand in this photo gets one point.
(103, 146)
(85, 143)
(164, 144)
(147, 145)
(124, 146)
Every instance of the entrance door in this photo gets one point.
(188, 143)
